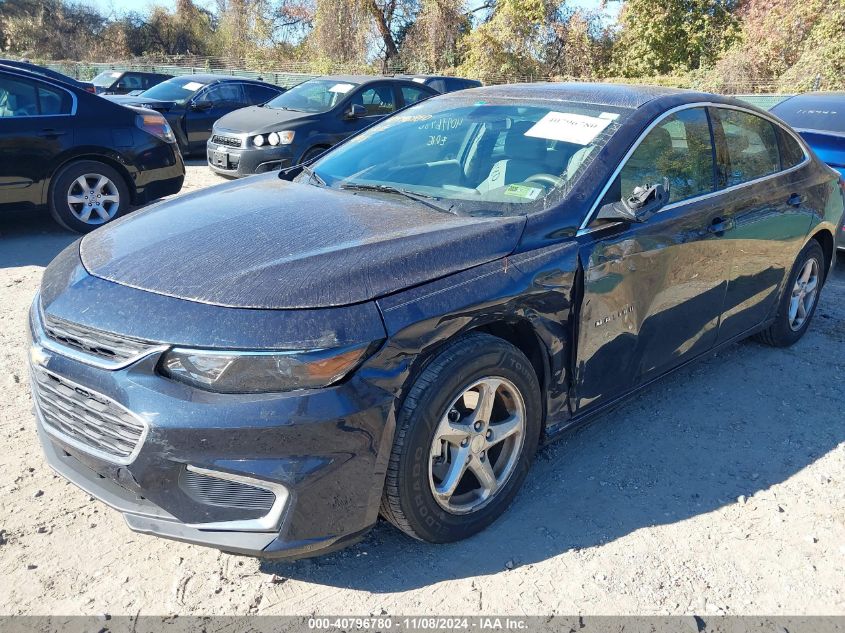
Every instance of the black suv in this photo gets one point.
(84, 158)
(305, 121)
(192, 103)
(121, 82)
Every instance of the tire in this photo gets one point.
(414, 470)
(311, 154)
(786, 330)
(67, 184)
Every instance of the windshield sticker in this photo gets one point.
(523, 191)
(612, 116)
(115, 75)
(341, 88)
(419, 80)
(193, 85)
(569, 128)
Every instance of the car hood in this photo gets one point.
(256, 120)
(266, 243)
(140, 101)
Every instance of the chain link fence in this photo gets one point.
(291, 73)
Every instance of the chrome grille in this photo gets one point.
(228, 141)
(105, 345)
(221, 492)
(85, 418)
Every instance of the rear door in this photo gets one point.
(759, 168)
(653, 291)
(36, 125)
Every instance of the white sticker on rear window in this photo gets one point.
(609, 115)
(193, 85)
(341, 88)
(569, 128)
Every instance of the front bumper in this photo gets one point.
(237, 162)
(322, 453)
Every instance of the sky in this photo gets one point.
(125, 6)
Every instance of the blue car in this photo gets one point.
(819, 117)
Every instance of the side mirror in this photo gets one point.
(643, 203)
(355, 111)
(201, 106)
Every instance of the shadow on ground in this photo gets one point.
(684, 447)
(30, 238)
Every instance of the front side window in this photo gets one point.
(377, 100)
(679, 151)
(315, 95)
(751, 147)
(485, 157)
(106, 79)
(222, 94)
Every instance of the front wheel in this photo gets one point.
(799, 299)
(465, 438)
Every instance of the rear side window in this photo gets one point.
(751, 146)
(412, 95)
(791, 153)
(259, 94)
(20, 98)
(678, 149)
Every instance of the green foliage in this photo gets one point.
(673, 36)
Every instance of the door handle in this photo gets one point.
(720, 225)
(795, 200)
(51, 133)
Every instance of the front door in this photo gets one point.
(378, 100)
(208, 106)
(653, 291)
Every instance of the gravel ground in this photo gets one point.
(718, 490)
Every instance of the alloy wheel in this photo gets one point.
(93, 199)
(477, 445)
(804, 294)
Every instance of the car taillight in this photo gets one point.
(91, 89)
(156, 125)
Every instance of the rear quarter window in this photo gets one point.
(791, 152)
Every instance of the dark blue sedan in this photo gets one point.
(819, 117)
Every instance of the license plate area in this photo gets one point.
(220, 159)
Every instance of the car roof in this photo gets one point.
(31, 74)
(208, 78)
(39, 71)
(360, 80)
(619, 95)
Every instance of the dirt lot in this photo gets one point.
(718, 490)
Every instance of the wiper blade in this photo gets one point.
(418, 197)
(313, 175)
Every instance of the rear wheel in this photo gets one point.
(465, 439)
(87, 194)
(799, 300)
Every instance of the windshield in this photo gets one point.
(106, 79)
(316, 95)
(479, 158)
(178, 89)
(813, 112)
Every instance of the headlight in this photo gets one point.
(280, 138)
(155, 124)
(258, 372)
(258, 140)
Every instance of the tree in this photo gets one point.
(431, 44)
(673, 36)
